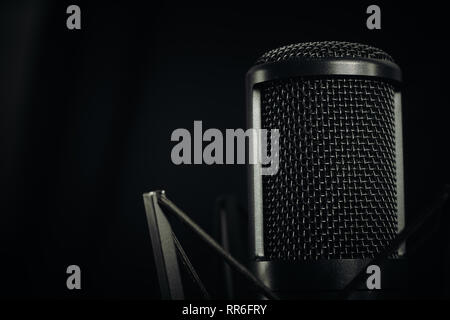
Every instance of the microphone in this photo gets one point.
(337, 200)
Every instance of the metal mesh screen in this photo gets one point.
(323, 49)
(334, 196)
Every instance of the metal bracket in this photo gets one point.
(164, 249)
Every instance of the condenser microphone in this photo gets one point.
(337, 199)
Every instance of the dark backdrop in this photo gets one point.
(86, 119)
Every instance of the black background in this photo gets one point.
(86, 119)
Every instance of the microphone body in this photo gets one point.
(337, 199)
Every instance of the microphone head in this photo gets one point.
(338, 193)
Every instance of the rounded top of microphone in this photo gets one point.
(324, 58)
(323, 49)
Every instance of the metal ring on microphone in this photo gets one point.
(363, 67)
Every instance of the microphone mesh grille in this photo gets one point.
(334, 196)
(323, 49)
